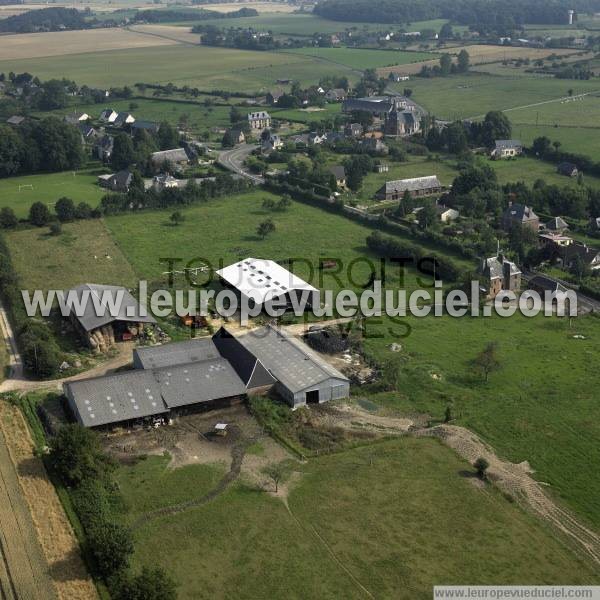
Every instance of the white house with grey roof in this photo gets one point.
(416, 186)
(507, 149)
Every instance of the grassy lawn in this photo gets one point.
(79, 255)
(198, 238)
(306, 116)
(580, 140)
(80, 186)
(199, 66)
(376, 508)
(199, 117)
(473, 95)
(361, 58)
(541, 406)
(529, 169)
(414, 167)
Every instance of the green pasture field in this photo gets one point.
(307, 24)
(580, 140)
(80, 186)
(202, 66)
(200, 117)
(198, 237)
(473, 95)
(530, 169)
(415, 167)
(375, 510)
(576, 111)
(306, 115)
(363, 58)
(84, 253)
(541, 406)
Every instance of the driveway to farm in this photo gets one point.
(233, 160)
(21, 384)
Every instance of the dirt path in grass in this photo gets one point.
(237, 457)
(40, 554)
(516, 480)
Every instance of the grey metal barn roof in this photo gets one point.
(178, 353)
(129, 308)
(412, 185)
(184, 385)
(507, 144)
(290, 361)
(115, 398)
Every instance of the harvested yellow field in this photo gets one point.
(59, 544)
(479, 55)
(35, 45)
(169, 32)
(261, 7)
(486, 53)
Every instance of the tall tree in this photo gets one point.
(123, 154)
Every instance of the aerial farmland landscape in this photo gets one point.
(299, 299)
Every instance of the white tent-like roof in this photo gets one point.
(262, 280)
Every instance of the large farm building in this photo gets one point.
(206, 373)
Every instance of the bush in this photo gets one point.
(111, 546)
(8, 219)
(39, 215)
(150, 584)
(55, 229)
(65, 209)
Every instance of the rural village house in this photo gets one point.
(507, 149)
(416, 186)
(502, 275)
(519, 214)
(259, 120)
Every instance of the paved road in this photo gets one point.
(233, 160)
(585, 303)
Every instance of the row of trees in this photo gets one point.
(78, 459)
(45, 145)
(447, 66)
(459, 136)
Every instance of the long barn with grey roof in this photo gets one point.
(206, 373)
(415, 186)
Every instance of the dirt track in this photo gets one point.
(515, 479)
(41, 554)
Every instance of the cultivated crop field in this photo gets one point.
(355, 522)
(21, 192)
(83, 253)
(202, 66)
(361, 58)
(34, 45)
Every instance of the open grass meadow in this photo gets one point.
(200, 236)
(197, 66)
(22, 191)
(363, 58)
(196, 116)
(530, 169)
(470, 96)
(367, 517)
(84, 253)
(540, 406)
(580, 140)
